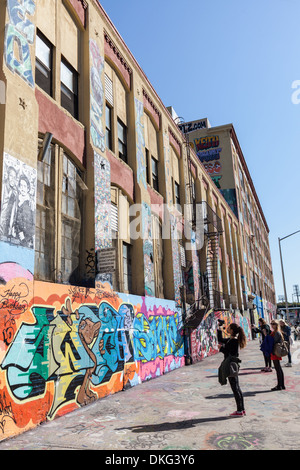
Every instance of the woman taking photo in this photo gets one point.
(230, 347)
(278, 337)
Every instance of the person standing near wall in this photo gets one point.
(264, 330)
(230, 348)
(278, 337)
(286, 331)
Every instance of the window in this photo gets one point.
(158, 256)
(58, 222)
(122, 141)
(70, 218)
(45, 218)
(147, 165)
(154, 166)
(43, 63)
(127, 276)
(69, 88)
(177, 195)
(108, 116)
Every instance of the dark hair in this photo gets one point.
(24, 178)
(238, 330)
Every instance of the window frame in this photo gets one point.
(41, 67)
(127, 263)
(154, 173)
(65, 89)
(61, 219)
(108, 130)
(124, 144)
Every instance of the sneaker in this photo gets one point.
(269, 369)
(288, 364)
(238, 413)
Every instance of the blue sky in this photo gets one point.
(234, 62)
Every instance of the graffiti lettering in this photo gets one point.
(213, 168)
(204, 143)
(84, 348)
(5, 412)
(208, 155)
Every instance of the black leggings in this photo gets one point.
(267, 361)
(237, 392)
(279, 372)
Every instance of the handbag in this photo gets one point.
(281, 349)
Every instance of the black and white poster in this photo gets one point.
(18, 202)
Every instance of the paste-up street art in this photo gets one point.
(20, 35)
(97, 96)
(102, 182)
(141, 161)
(17, 222)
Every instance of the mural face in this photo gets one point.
(64, 350)
(97, 96)
(19, 35)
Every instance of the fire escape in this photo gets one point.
(210, 296)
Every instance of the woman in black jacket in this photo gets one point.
(264, 330)
(230, 347)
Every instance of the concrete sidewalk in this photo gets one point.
(186, 409)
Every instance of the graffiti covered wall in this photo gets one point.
(63, 348)
(19, 36)
(203, 340)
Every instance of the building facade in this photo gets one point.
(219, 151)
(118, 253)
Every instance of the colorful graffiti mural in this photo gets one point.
(203, 340)
(140, 155)
(19, 36)
(62, 350)
(97, 96)
(148, 250)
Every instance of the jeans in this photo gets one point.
(237, 392)
(279, 372)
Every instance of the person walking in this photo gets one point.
(278, 337)
(230, 348)
(286, 331)
(264, 330)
